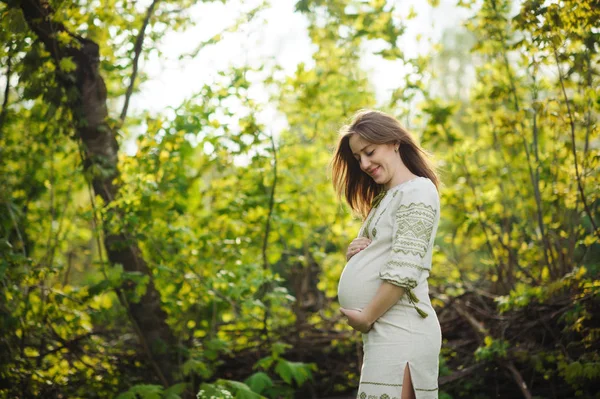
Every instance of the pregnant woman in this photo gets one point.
(385, 176)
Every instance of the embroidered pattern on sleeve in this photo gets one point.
(404, 282)
(402, 263)
(415, 225)
(414, 228)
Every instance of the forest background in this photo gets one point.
(194, 249)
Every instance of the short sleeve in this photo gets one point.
(414, 223)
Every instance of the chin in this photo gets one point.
(379, 180)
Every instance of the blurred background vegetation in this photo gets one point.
(205, 262)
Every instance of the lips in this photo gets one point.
(373, 171)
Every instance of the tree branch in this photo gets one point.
(475, 324)
(518, 379)
(267, 287)
(6, 89)
(67, 344)
(271, 205)
(457, 375)
(536, 186)
(573, 147)
(138, 51)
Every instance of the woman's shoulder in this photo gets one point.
(419, 184)
(418, 189)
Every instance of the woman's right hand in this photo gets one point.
(357, 245)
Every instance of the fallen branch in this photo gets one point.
(518, 379)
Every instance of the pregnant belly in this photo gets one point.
(358, 284)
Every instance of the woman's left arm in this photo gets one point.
(413, 233)
(387, 295)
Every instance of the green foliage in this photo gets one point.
(293, 371)
(493, 349)
(259, 382)
(579, 374)
(143, 391)
(227, 389)
(279, 376)
(515, 142)
(285, 376)
(524, 295)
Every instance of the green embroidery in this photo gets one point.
(408, 284)
(414, 228)
(366, 230)
(403, 263)
(382, 212)
(404, 282)
(380, 384)
(363, 395)
(375, 203)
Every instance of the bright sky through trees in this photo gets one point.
(278, 34)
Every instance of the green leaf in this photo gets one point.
(264, 363)
(284, 370)
(299, 372)
(242, 391)
(66, 64)
(99, 288)
(175, 391)
(198, 367)
(259, 381)
(144, 391)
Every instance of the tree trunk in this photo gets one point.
(100, 151)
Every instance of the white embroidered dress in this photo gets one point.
(402, 228)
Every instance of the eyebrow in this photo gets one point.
(355, 154)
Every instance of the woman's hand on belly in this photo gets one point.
(357, 320)
(357, 245)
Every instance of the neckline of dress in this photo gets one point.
(383, 194)
(404, 182)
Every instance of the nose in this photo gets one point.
(364, 164)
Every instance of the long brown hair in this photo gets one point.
(376, 127)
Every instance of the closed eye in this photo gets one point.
(367, 153)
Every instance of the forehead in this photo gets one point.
(357, 143)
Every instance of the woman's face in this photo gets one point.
(380, 161)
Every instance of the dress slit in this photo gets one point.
(414, 394)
